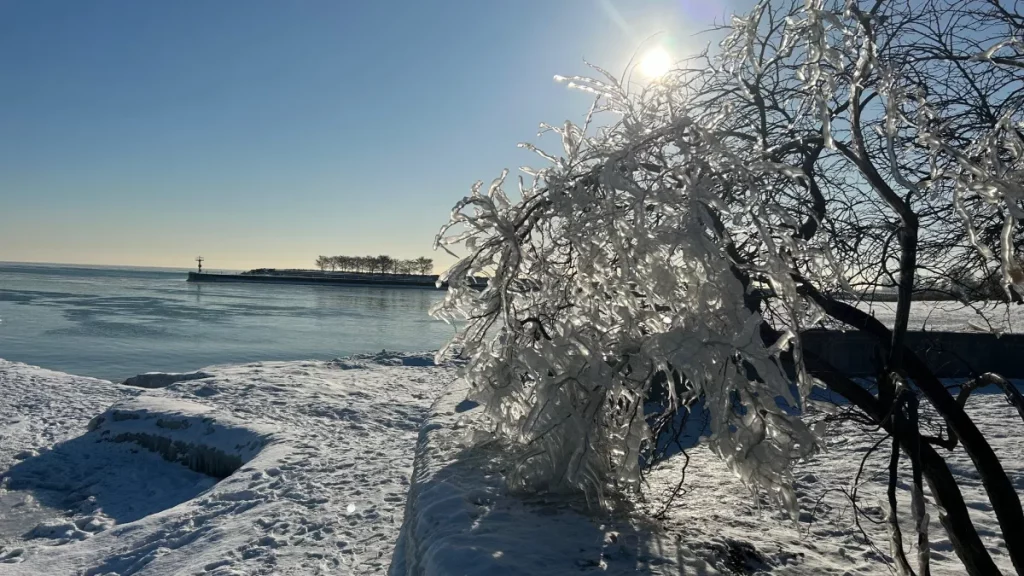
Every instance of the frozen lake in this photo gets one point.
(117, 322)
(953, 316)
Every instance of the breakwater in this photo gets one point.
(948, 354)
(383, 280)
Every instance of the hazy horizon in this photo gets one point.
(91, 265)
(262, 134)
(206, 266)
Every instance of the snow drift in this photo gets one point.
(313, 461)
(183, 432)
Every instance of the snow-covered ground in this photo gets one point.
(308, 468)
(317, 458)
(717, 512)
(953, 316)
(460, 520)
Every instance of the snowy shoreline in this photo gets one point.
(360, 466)
(324, 459)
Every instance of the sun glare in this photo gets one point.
(656, 63)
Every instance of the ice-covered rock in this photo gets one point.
(163, 379)
(192, 434)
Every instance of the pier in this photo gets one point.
(323, 278)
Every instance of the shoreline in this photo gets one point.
(268, 473)
(289, 486)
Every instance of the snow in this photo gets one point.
(163, 379)
(355, 465)
(320, 452)
(952, 316)
(717, 511)
(185, 432)
(460, 519)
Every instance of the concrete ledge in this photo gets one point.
(949, 354)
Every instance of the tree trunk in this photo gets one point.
(956, 519)
(1000, 490)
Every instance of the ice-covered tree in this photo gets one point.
(693, 227)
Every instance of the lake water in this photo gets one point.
(117, 322)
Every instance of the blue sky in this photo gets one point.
(264, 133)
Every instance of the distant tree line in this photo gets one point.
(382, 264)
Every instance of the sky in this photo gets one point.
(263, 133)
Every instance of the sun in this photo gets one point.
(656, 63)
